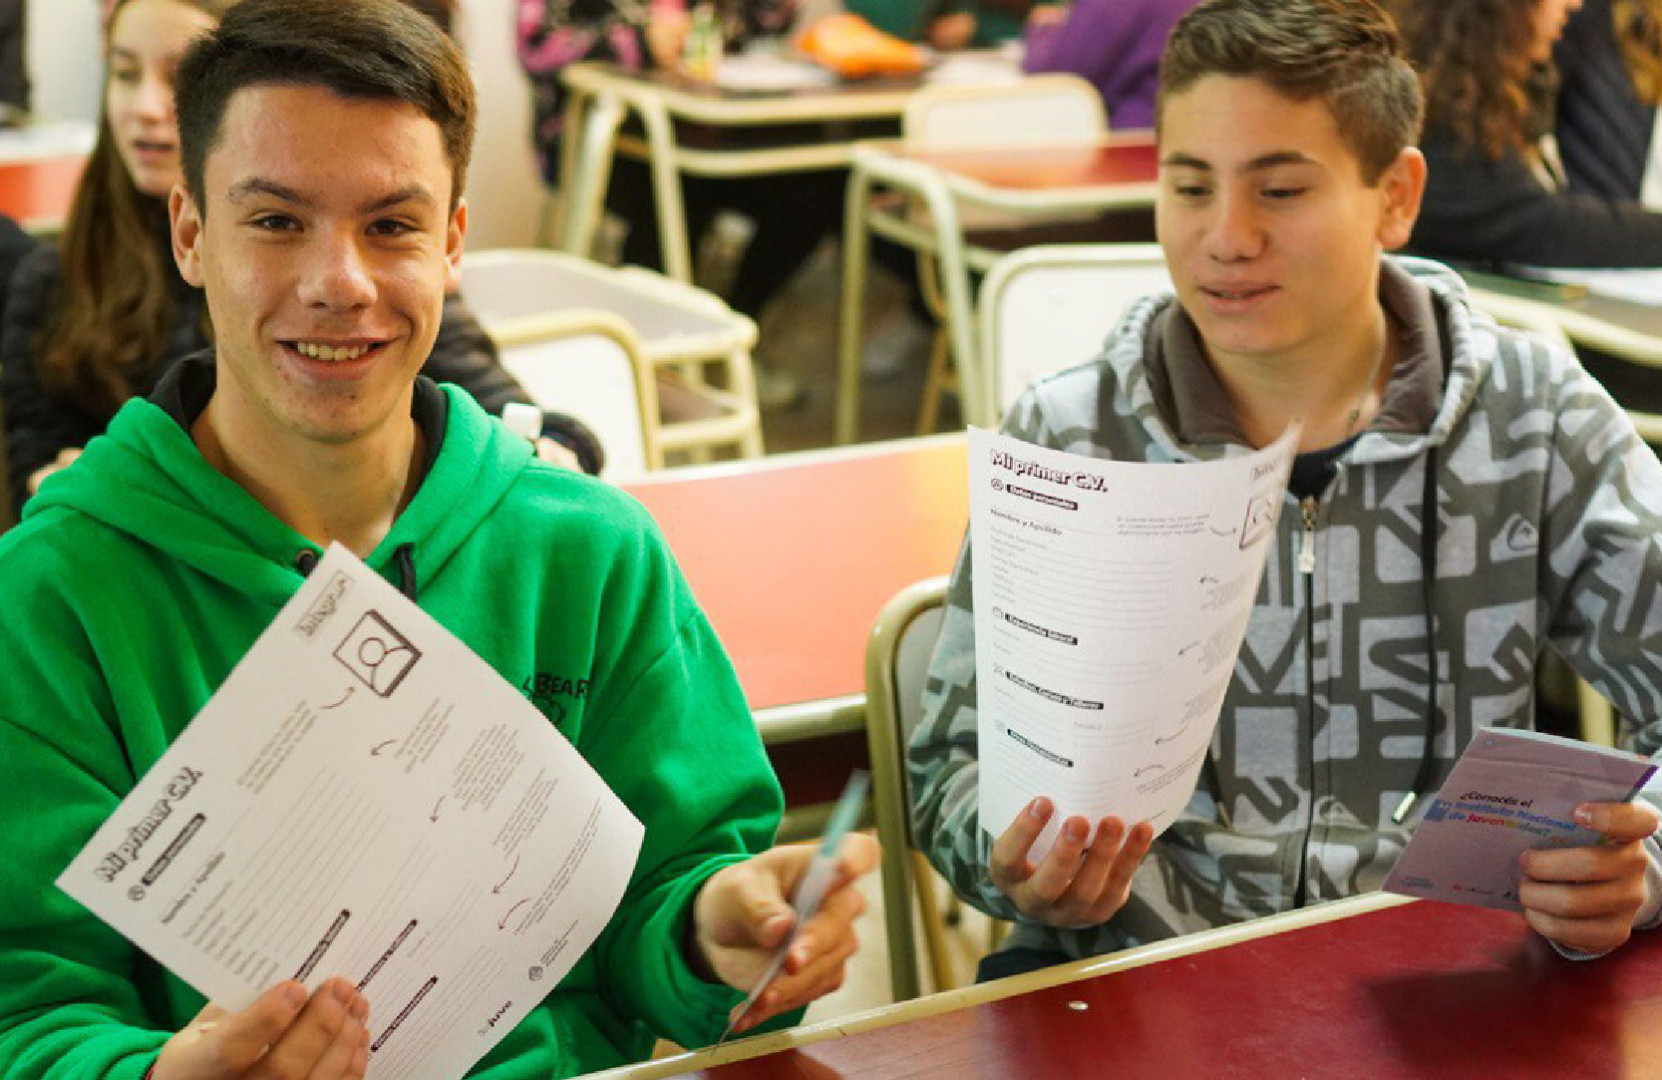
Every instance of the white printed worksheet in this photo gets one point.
(1110, 601)
(365, 797)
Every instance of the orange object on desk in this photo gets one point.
(855, 49)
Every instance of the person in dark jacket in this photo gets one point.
(1494, 195)
(98, 318)
(1610, 62)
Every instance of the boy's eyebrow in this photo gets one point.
(412, 193)
(244, 189)
(1180, 160)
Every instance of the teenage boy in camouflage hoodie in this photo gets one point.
(1376, 648)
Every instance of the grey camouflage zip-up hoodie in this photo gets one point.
(1549, 515)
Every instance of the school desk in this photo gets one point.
(792, 556)
(1372, 988)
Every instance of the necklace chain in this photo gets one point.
(1362, 398)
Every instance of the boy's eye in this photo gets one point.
(391, 227)
(1284, 192)
(274, 222)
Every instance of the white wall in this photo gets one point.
(64, 63)
(504, 191)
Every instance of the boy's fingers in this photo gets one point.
(242, 1037)
(1010, 850)
(303, 1046)
(1618, 821)
(1056, 872)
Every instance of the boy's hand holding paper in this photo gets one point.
(1590, 898)
(1543, 825)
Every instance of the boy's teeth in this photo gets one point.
(330, 352)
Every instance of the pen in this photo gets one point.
(810, 891)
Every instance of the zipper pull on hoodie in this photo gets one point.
(1307, 539)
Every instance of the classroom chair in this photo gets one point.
(1047, 308)
(897, 660)
(697, 347)
(588, 364)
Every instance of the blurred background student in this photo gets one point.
(1116, 44)
(1610, 64)
(95, 319)
(1495, 194)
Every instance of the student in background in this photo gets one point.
(1610, 64)
(1382, 638)
(1115, 44)
(792, 213)
(1495, 193)
(325, 146)
(100, 316)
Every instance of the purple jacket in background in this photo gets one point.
(1116, 44)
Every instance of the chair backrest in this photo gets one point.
(897, 660)
(1050, 307)
(665, 315)
(1037, 109)
(586, 364)
(671, 323)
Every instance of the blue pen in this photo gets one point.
(810, 891)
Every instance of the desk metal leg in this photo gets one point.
(666, 191)
(852, 316)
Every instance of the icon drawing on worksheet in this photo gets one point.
(377, 654)
(1260, 519)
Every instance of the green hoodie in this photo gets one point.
(141, 575)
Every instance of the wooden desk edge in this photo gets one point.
(796, 458)
(981, 994)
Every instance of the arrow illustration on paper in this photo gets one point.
(505, 880)
(375, 751)
(1148, 768)
(435, 814)
(344, 699)
(503, 925)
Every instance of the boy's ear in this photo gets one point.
(1402, 185)
(185, 222)
(455, 235)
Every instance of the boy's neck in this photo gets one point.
(1335, 393)
(348, 492)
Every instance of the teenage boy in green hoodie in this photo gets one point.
(324, 147)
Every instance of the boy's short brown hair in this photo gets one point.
(1346, 52)
(368, 49)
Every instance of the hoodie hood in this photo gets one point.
(147, 479)
(1454, 346)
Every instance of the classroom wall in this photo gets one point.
(66, 69)
(64, 64)
(503, 162)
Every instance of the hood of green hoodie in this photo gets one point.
(145, 477)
